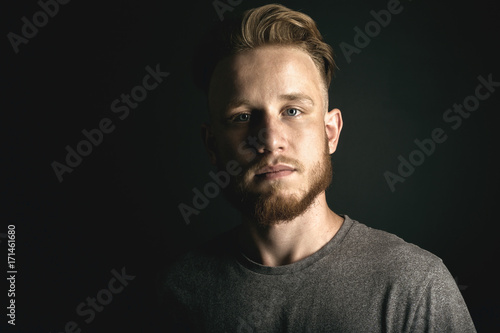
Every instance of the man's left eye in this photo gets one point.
(241, 118)
(292, 112)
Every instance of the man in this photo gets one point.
(293, 265)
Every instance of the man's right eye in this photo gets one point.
(241, 118)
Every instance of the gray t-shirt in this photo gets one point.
(362, 280)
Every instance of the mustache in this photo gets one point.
(262, 162)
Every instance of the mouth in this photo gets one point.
(274, 171)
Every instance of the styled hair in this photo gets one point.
(271, 24)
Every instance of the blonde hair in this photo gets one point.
(271, 24)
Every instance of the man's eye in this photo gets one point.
(243, 117)
(292, 112)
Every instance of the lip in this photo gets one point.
(275, 171)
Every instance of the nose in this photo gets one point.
(271, 134)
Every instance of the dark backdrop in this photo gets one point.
(118, 209)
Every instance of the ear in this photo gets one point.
(333, 126)
(209, 142)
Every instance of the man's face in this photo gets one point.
(268, 113)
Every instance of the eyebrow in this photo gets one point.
(237, 102)
(297, 97)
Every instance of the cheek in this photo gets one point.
(311, 138)
(311, 148)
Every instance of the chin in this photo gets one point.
(278, 188)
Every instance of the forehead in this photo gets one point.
(261, 75)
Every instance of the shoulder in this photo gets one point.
(378, 258)
(412, 281)
(384, 251)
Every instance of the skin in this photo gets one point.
(276, 94)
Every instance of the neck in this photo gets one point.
(288, 242)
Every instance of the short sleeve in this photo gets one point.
(441, 307)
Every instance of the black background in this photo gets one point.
(119, 207)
